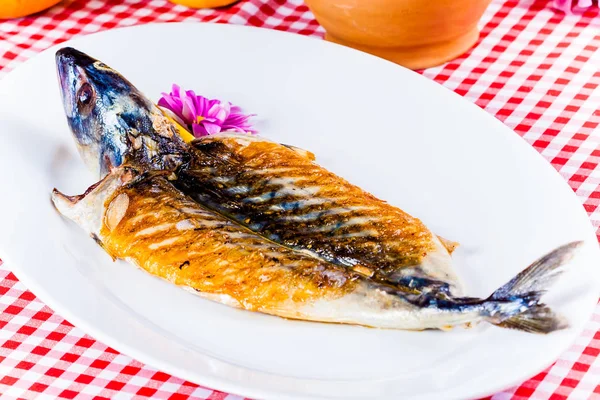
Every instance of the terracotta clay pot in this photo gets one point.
(414, 33)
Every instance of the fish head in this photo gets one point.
(112, 122)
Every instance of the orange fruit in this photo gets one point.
(203, 3)
(21, 8)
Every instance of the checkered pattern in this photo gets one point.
(535, 69)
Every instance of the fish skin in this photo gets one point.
(293, 201)
(144, 219)
(372, 237)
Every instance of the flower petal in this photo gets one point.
(220, 111)
(188, 111)
(175, 90)
(198, 130)
(172, 103)
(212, 128)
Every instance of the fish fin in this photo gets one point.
(61, 200)
(65, 204)
(516, 305)
(537, 319)
(448, 244)
(535, 279)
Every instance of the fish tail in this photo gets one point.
(517, 305)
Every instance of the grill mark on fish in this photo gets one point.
(367, 233)
(292, 192)
(205, 213)
(166, 242)
(239, 189)
(299, 204)
(303, 217)
(240, 235)
(320, 214)
(153, 229)
(357, 221)
(222, 179)
(139, 218)
(270, 171)
(360, 220)
(286, 181)
(185, 224)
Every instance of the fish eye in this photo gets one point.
(85, 97)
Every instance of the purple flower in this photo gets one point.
(203, 116)
(567, 5)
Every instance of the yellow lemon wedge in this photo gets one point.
(204, 3)
(183, 132)
(21, 8)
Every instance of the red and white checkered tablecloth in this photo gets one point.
(535, 69)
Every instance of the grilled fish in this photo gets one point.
(143, 218)
(275, 190)
(396, 273)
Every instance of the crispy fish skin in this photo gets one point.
(311, 209)
(172, 237)
(147, 221)
(143, 218)
(286, 197)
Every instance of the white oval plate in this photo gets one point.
(385, 128)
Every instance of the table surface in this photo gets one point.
(535, 69)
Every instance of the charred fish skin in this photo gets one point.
(143, 218)
(289, 199)
(329, 218)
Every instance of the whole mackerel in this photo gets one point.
(281, 195)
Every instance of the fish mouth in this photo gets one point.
(71, 63)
